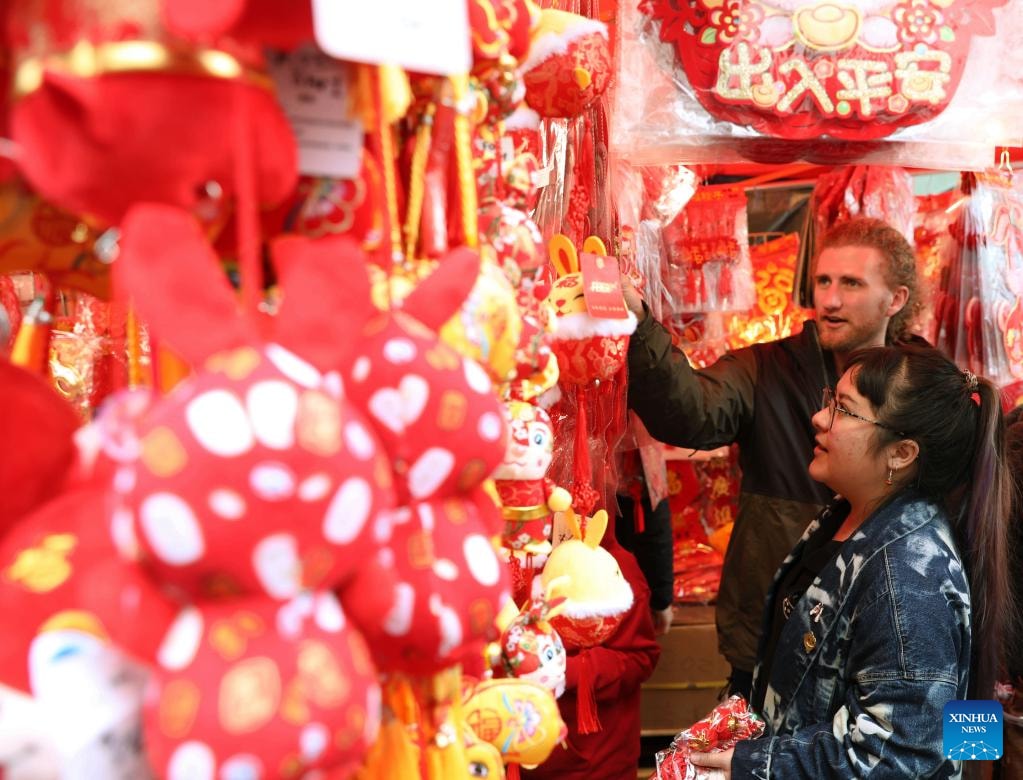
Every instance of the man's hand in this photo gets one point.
(662, 620)
(632, 298)
(721, 761)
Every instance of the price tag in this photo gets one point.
(543, 177)
(560, 532)
(312, 88)
(602, 287)
(430, 37)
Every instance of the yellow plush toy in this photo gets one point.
(597, 596)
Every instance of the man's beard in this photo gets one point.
(849, 338)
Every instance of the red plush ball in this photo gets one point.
(569, 64)
(256, 689)
(434, 411)
(256, 476)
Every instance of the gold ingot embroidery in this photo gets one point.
(318, 426)
(178, 705)
(353, 729)
(292, 766)
(420, 550)
(227, 640)
(382, 474)
(481, 615)
(474, 472)
(45, 567)
(236, 364)
(163, 453)
(441, 358)
(455, 511)
(293, 707)
(809, 641)
(452, 409)
(230, 637)
(362, 661)
(827, 26)
(250, 693)
(322, 676)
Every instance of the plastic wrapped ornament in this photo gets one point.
(588, 347)
(487, 326)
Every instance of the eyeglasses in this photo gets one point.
(830, 402)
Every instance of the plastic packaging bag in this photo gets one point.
(980, 309)
(776, 81)
(727, 724)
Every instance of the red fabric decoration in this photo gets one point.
(500, 27)
(260, 22)
(256, 689)
(257, 433)
(61, 571)
(569, 64)
(37, 426)
(449, 587)
(798, 71)
(95, 141)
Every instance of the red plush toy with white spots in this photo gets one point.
(256, 475)
(438, 417)
(253, 490)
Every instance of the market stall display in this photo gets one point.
(313, 389)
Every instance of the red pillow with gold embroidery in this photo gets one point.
(850, 69)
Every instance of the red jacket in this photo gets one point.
(620, 665)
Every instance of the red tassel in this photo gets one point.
(725, 284)
(511, 772)
(586, 704)
(584, 496)
(639, 516)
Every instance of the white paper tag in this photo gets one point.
(542, 177)
(430, 36)
(312, 88)
(560, 531)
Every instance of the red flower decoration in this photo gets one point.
(918, 20)
(737, 21)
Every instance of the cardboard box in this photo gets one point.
(689, 676)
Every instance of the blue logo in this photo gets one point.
(972, 730)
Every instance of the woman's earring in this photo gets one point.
(888, 479)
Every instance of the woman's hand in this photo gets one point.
(721, 761)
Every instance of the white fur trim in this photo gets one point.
(550, 45)
(620, 603)
(522, 118)
(549, 397)
(581, 326)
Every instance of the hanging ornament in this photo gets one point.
(855, 71)
(590, 338)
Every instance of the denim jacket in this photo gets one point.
(869, 656)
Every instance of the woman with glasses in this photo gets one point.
(896, 599)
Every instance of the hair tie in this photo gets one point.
(970, 379)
